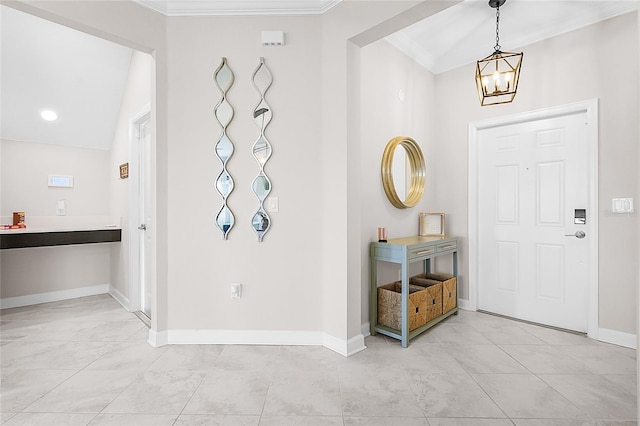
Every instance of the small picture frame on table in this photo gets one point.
(431, 224)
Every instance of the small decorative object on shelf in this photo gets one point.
(13, 226)
(18, 218)
(431, 224)
(382, 235)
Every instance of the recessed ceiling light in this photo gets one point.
(49, 115)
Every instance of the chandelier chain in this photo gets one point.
(497, 47)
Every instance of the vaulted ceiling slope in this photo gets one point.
(48, 66)
(466, 32)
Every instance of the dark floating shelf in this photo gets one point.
(58, 238)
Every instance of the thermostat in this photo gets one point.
(61, 181)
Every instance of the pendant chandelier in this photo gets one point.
(497, 75)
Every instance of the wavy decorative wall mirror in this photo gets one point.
(261, 186)
(223, 78)
(403, 181)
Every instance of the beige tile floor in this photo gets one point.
(86, 362)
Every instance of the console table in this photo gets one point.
(405, 251)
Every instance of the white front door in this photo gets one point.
(535, 220)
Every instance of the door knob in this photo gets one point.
(142, 227)
(578, 234)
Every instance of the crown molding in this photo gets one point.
(238, 7)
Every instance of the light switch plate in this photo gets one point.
(61, 209)
(622, 205)
(236, 290)
(273, 204)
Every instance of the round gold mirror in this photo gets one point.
(396, 178)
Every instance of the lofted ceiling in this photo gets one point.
(49, 66)
(46, 65)
(466, 32)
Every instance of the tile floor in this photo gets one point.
(86, 362)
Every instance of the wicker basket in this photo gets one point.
(449, 295)
(390, 306)
(434, 290)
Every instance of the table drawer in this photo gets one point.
(422, 252)
(448, 246)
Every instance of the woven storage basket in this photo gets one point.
(390, 306)
(434, 290)
(449, 295)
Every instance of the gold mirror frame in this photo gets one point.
(418, 172)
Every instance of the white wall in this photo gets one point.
(24, 169)
(385, 72)
(599, 61)
(280, 276)
(137, 97)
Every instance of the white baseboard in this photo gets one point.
(464, 304)
(244, 337)
(257, 337)
(124, 301)
(344, 348)
(53, 296)
(628, 340)
(365, 329)
(619, 338)
(157, 339)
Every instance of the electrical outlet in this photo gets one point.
(236, 290)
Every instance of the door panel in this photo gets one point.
(531, 178)
(144, 210)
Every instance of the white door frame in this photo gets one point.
(590, 107)
(135, 298)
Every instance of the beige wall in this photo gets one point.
(385, 72)
(562, 70)
(347, 28)
(24, 169)
(280, 276)
(35, 271)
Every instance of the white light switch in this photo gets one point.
(61, 208)
(622, 205)
(273, 204)
(236, 290)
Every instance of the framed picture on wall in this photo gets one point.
(124, 171)
(431, 224)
